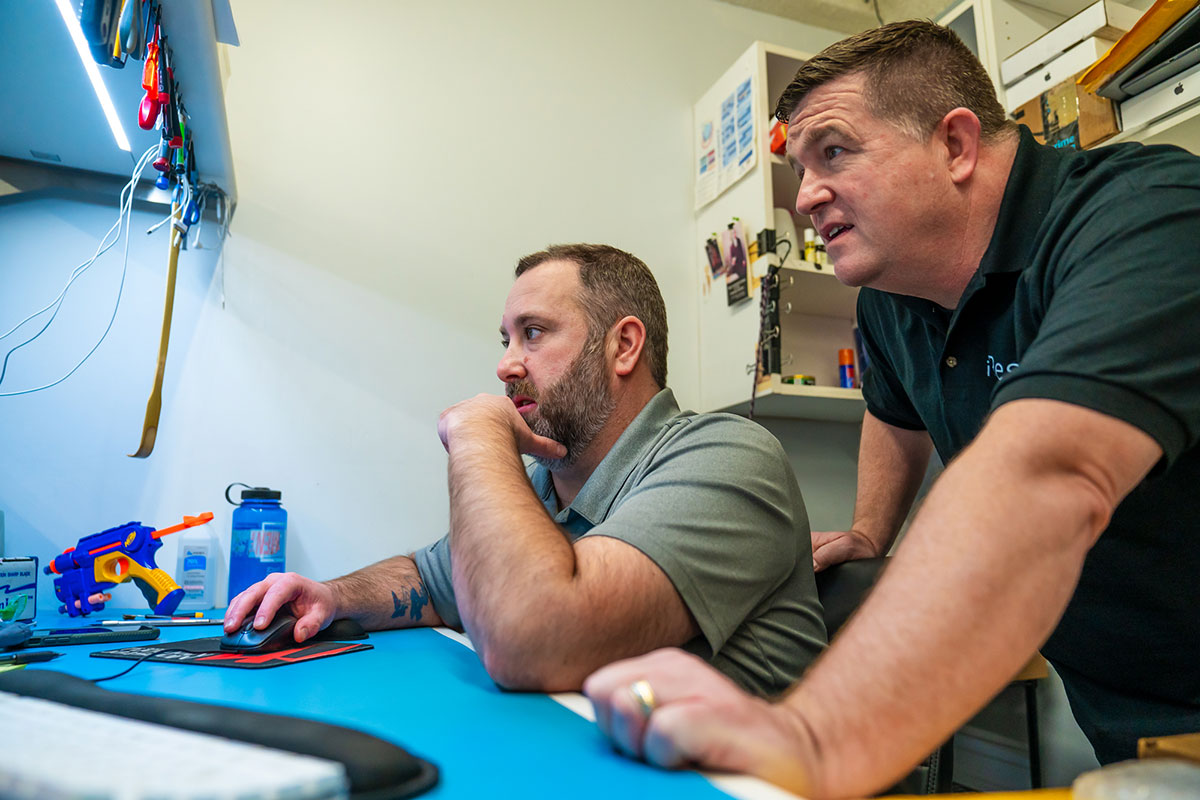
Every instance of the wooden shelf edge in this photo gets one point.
(778, 400)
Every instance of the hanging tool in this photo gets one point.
(154, 404)
(149, 109)
(99, 20)
(133, 41)
(121, 30)
(163, 162)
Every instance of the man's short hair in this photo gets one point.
(914, 73)
(616, 284)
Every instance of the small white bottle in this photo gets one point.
(810, 245)
(196, 568)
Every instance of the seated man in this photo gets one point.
(640, 526)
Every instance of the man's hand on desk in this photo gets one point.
(835, 547)
(495, 414)
(315, 604)
(693, 716)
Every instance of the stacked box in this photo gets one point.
(1068, 116)
(18, 589)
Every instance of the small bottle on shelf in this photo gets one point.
(846, 374)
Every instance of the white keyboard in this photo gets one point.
(51, 751)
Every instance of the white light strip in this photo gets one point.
(93, 71)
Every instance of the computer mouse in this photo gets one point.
(276, 636)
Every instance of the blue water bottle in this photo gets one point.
(259, 541)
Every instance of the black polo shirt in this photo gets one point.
(1089, 293)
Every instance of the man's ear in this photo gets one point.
(959, 132)
(629, 337)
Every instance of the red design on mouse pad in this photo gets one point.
(208, 652)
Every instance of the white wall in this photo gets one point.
(393, 161)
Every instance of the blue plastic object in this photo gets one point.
(162, 181)
(259, 541)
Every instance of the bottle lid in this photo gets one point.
(846, 356)
(253, 493)
(810, 235)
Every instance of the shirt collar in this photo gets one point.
(595, 498)
(1027, 198)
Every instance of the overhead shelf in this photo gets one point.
(193, 41)
(780, 400)
(35, 34)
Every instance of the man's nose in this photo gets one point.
(511, 366)
(812, 194)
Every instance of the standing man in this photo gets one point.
(640, 526)
(1035, 314)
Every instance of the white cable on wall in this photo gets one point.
(125, 215)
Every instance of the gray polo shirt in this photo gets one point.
(712, 500)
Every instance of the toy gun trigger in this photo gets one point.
(188, 522)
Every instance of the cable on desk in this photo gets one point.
(146, 657)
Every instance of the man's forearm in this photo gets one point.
(891, 466)
(509, 558)
(388, 594)
(988, 567)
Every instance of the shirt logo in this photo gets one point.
(996, 369)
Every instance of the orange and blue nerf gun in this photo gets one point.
(104, 559)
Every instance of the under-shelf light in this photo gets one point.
(93, 72)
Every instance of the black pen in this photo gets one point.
(29, 657)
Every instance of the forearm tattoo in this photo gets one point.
(417, 600)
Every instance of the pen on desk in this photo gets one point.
(29, 657)
(166, 622)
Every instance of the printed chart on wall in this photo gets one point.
(725, 134)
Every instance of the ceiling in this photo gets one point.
(845, 16)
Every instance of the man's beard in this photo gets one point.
(575, 408)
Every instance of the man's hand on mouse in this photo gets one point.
(494, 414)
(313, 603)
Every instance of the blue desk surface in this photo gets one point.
(423, 691)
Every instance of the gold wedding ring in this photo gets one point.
(643, 695)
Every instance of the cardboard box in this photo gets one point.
(1162, 100)
(1078, 58)
(1104, 19)
(18, 589)
(1067, 116)
(1184, 745)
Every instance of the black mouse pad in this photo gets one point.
(208, 652)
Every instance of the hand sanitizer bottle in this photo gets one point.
(196, 568)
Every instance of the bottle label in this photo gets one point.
(255, 553)
(194, 561)
(263, 544)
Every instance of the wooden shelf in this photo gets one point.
(785, 401)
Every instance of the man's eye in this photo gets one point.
(833, 150)
(532, 333)
(504, 343)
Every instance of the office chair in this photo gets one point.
(841, 589)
